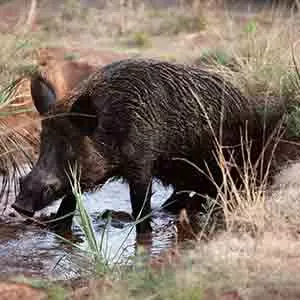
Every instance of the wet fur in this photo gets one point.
(150, 112)
(143, 114)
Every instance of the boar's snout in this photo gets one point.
(36, 192)
(22, 207)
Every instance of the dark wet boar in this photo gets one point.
(140, 119)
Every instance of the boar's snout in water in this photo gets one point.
(144, 119)
(37, 190)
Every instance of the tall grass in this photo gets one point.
(97, 248)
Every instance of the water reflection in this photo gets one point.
(29, 250)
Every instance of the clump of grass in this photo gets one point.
(95, 248)
(141, 40)
(264, 58)
(56, 292)
(164, 284)
(265, 69)
(293, 122)
(217, 57)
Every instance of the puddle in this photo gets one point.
(26, 249)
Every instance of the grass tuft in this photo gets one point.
(141, 39)
(95, 248)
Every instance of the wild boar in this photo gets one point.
(141, 119)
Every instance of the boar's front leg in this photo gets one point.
(140, 197)
(67, 207)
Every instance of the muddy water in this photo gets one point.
(28, 249)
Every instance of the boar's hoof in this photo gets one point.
(60, 226)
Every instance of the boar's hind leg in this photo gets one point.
(67, 207)
(140, 196)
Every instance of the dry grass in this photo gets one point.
(258, 254)
(260, 266)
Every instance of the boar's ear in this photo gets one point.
(83, 115)
(43, 94)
